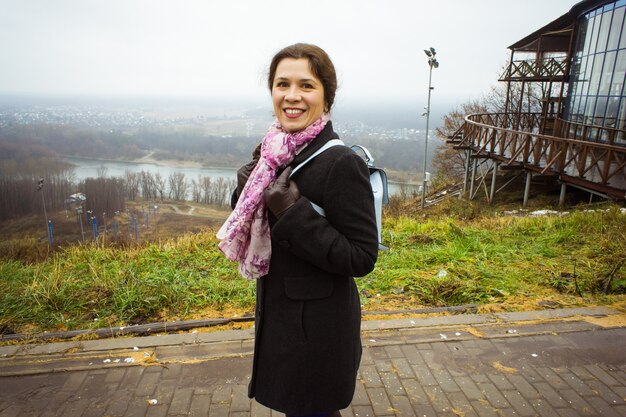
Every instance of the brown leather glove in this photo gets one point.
(281, 194)
(244, 172)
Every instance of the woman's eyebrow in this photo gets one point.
(302, 80)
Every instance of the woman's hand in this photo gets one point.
(281, 194)
(244, 172)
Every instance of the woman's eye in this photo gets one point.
(281, 84)
(307, 85)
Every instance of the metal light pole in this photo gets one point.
(432, 63)
(45, 214)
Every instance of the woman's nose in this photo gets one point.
(292, 95)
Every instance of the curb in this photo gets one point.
(176, 326)
(197, 346)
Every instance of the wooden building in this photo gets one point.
(564, 118)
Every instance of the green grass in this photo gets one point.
(437, 260)
(493, 256)
(92, 286)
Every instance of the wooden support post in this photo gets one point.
(508, 91)
(492, 192)
(529, 177)
(562, 196)
(471, 193)
(468, 160)
(519, 106)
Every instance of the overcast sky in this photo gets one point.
(208, 48)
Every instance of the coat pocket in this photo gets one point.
(308, 288)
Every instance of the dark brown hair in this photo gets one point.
(319, 62)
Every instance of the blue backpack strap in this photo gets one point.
(327, 145)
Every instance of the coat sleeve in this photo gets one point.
(233, 199)
(345, 242)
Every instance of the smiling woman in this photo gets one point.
(307, 340)
(309, 64)
(297, 94)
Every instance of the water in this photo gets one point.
(91, 168)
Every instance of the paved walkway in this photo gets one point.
(558, 363)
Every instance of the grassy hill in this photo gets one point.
(454, 254)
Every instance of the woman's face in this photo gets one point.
(297, 94)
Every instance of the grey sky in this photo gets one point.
(221, 49)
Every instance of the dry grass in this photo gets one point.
(26, 239)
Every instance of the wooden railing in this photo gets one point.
(596, 165)
(547, 68)
(601, 134)
(529, 122)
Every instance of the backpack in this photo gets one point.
(378, 181)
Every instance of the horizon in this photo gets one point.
(383, 112)
(198, 49)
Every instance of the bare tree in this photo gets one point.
(178, 185)
(196, 190)
(131, 184)
(19, 190)
(102, 171)
(453, 121)
(146, 181)
(205, 184)
(159, 183)
(223, 190)
(447, 162)
(104, 195)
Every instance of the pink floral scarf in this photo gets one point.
(245, 236)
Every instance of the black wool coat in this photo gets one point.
(308, 314)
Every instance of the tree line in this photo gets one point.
(189, 144)
(186, 143)
(49, 184)
(153, 186)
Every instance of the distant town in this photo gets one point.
(247, 122)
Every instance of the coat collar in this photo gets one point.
(324, 136)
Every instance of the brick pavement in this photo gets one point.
(555, 368)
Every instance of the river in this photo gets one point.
(86, 168)
(91, 168)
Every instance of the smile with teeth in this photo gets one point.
(294, 112)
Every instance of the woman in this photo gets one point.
(307, 345)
